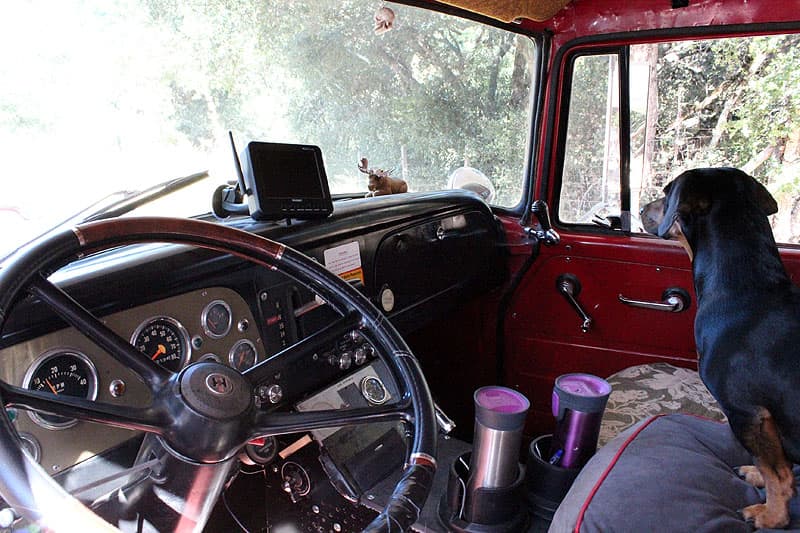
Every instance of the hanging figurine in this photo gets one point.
(380, 181)
(384, 20)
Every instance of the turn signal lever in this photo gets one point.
(545, 233)
(445, 423)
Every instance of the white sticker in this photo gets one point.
(345, 261)
(387, 299)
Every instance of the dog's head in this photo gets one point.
(696, 193)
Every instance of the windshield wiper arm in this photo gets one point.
(132, 200)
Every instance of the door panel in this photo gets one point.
(542, 331)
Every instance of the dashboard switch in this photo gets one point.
(274, 393)
(345, 360)
(117, 388)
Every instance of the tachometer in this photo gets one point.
(164, 340)
(61, 372)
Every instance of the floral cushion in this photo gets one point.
(639, 392)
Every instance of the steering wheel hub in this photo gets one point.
(214, 390)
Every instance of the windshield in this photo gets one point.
(101, 97)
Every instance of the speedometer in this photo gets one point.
(62, 372)
(164, 340)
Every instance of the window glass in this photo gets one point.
(590, 190)
(714, 102)
(100, 97)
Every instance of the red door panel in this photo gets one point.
(543, 338)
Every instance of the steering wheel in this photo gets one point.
(203, 415)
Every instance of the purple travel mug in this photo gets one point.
(578, 404)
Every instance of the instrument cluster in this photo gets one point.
(214, 323)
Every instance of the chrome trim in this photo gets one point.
(204, 319)
(420, 458)
(368, 395)
(231, 352)
(279, 253)
(79, 234)
(673, 301)
(182, 331)
(36, 448)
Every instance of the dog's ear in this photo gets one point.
(763, 198)
(671, 201)
(683, 198)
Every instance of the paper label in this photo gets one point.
(345, 261)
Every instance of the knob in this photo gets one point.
(345, 360)
(274, 393)
(360, 355)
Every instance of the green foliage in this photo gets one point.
(583, 187)
(438, 89)
(441, 88)
(744, 91)
(718, 102)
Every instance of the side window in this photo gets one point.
(713, 102)
(591, 186)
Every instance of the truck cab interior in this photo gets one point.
(258, 257)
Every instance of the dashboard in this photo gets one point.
(214, 323)
(415, 256)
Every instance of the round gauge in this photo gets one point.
(243, 355)
(61, 372)
(164, 340)
(262, 452)
(216, 319)
(31, 445)
(214, 358)
(373, 390)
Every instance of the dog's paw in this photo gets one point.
(752, 475)
(749, 521)
(762, 517)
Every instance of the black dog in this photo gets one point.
(747, 328)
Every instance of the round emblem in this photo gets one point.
(219, 384)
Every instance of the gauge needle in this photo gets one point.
(51, 386)
(161, 350)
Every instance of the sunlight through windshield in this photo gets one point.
(101, 97)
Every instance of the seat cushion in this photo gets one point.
(642, 391)
(667, 473)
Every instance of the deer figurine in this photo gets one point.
(380, 181)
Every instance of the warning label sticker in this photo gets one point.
(345, 261)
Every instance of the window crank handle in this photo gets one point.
(569, 287)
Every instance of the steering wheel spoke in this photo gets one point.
(324, 337)
(280, 423)
(141, 419)
(81, 319)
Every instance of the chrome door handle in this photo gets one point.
(674, 300)
(569, 287)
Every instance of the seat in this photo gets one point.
(642, 391)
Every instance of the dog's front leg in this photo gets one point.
(752, 475)
(763, 440)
